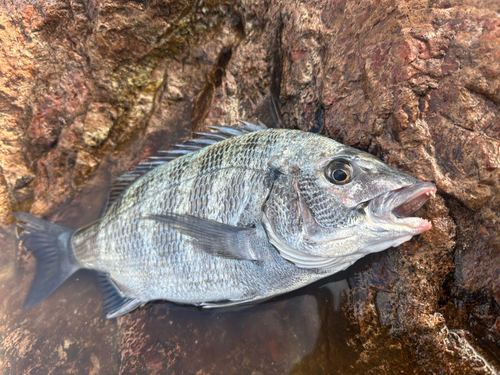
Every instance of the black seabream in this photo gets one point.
(239, 216)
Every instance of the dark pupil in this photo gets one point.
(339, 175)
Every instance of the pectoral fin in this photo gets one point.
(222, 240)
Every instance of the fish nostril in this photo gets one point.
(361, 207)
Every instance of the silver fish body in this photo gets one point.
(247, 218)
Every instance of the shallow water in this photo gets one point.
(325, 328)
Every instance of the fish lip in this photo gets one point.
(397, 205)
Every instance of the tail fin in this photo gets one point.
(51, 246)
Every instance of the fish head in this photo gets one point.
(328, 208)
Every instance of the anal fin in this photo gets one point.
(115, 303)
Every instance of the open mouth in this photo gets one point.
(398, 205)
(414, 197)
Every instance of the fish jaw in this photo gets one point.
(395, 207)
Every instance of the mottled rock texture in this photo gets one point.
(89, 88)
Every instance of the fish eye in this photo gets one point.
(339, 172)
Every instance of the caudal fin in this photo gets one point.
(51, 246)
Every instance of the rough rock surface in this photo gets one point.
(89, 88)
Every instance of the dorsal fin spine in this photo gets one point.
(191, 145)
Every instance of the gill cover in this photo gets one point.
(293, 229)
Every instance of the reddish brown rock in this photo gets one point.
(89, 89)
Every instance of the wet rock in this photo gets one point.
(87, 90)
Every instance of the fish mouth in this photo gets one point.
(398, 205)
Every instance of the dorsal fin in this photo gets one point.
(192, 145)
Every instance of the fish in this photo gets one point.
(236, 217)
